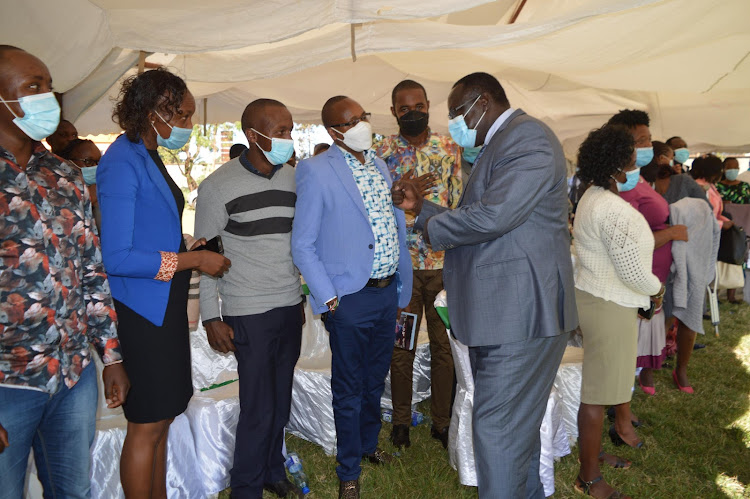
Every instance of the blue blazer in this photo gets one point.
(139, 219)
(332, 242)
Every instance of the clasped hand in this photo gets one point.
(408, 192)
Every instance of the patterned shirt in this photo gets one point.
(738, 193)
(438, 155)
(54, 294)
(377, 199)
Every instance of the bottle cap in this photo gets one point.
(305, 490)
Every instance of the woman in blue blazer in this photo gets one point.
(149, 269)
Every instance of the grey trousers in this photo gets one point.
(512, 383)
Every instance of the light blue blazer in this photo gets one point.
(139, 219)
(332, 242)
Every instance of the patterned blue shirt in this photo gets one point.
(379, 205)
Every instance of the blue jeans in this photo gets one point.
(362, 333)
(60, 428)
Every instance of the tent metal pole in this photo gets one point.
(518, 11)
(353, 38)
(141, 62)
(205, 115)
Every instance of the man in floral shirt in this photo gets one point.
(54, 295)
(419, 150)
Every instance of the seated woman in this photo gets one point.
(85, 155)
(654, 208)
(149, 269)
(613, 279)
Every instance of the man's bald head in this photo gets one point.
(330, 112)
(255, 114)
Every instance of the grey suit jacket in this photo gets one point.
(507, 271)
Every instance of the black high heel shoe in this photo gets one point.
(611, 417)
(618, 441)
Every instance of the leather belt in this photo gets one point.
(380, 283)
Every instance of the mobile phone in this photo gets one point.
(647, 314)
(213, 244)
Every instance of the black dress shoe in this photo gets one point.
(284, 488)
(441, 435)
(698, 346)
(379, 457)
(349, 489)
(400, 435)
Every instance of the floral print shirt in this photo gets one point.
(738, 193)
(438, 155)
(54, 294)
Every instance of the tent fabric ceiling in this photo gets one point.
(572, 63)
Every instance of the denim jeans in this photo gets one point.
(60, 428)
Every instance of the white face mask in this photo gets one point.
(358, 138)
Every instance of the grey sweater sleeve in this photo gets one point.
(210, 217)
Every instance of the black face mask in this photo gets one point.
(413, 123)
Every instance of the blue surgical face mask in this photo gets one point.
(643, 156)
(89, 174)
(470, 154)
(281, 149)
(671, 162)
(459, 130)
(632, 180)
(41, 115)
(731, 175)
(178, 137)
(681, 155)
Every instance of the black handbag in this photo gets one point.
(733, 246)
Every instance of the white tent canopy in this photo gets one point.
(572, 63)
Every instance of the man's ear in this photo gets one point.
(331, 133)
(251, 136)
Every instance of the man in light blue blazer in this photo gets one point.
(349, 243)
(508, 276)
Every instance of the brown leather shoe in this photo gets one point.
(379, 457)
(349, 489)
(400, 435)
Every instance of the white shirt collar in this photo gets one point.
(498, 123)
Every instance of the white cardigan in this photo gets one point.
(614, 247)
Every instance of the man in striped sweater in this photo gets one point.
(249, 202)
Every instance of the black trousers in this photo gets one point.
(268, 346)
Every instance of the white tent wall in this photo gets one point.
(572, 63)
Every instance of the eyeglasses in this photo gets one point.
(353, 122)
(453, 112)
(87, 161)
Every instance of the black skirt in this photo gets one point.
(157, 358)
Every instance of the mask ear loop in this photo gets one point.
(8, 107)
(472, 107)
(266, 136)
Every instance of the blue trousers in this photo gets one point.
(268, 347)
(60, 428)
(362, 333)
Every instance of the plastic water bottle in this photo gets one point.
(387, 415)
(416, 418)
(294, 465)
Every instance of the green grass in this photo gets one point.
(695, 446)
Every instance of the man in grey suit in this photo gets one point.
(508, 276)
